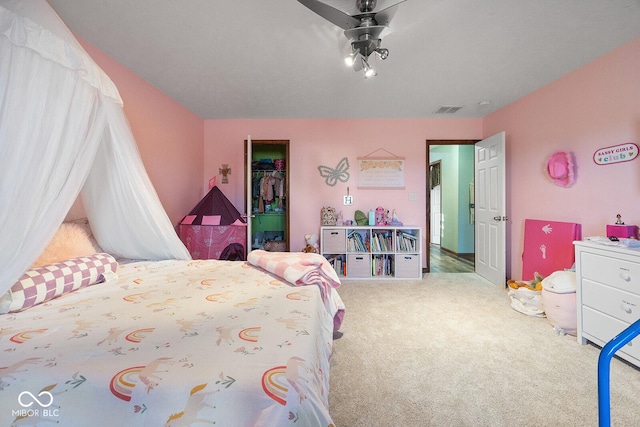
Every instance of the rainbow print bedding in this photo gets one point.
(172, 343)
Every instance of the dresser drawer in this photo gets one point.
(619, 304)
(619, 273)
(407, 266)
(604, 328)
(333, 241)
(358, 265)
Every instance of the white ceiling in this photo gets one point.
(278, 59)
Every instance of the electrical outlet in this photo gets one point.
(347, 200)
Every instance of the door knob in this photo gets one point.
(500, 218)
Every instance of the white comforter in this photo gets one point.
(172, 343)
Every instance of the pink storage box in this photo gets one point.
(626, 231)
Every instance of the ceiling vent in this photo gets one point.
(448, 109)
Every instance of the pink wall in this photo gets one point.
(596, 106)
(169, 136)
(593, 107)
(325, 142)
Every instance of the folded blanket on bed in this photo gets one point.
(297, 268)
(300, 269)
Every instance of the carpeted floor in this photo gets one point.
(450, 351)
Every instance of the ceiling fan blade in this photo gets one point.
(384, 16)
(331, 14)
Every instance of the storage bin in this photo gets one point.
(333, 241)
(358, 265)
(407, 266)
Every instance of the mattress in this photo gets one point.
(172, 343)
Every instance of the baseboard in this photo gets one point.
(468, 256)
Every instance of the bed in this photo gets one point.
(176, 343)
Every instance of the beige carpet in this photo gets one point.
(450, 351)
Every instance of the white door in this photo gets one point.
(248, 193)
(435, 215)
(490, 211)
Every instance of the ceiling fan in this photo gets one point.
(363, 28)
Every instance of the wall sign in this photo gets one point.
(616, 154)
(381, 172)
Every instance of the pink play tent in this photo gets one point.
(211, 226)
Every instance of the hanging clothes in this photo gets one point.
(268, 183)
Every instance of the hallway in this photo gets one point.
(445, 262)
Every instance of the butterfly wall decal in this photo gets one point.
(332, 176)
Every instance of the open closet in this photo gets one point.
(268, 188)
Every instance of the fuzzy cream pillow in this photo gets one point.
(72, 240)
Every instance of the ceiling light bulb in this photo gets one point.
(368, 71)
(383, 53)
(352, 58)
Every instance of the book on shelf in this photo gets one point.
(357, 243)
(382, 265)
(338, 264)
(406, 242)
(381, 241)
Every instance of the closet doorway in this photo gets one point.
(267, 194)
(450, 215)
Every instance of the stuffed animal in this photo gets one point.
(312, 243)
(309, 249)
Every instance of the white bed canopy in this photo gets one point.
(63, 133)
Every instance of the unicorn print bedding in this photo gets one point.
(174, 343)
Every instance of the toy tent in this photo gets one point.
(212, 225)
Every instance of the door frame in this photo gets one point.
(247, 183)
(431, 142)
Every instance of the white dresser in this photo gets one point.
(607, 294)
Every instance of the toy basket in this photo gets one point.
(275, 246)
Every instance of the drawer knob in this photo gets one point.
(625, 277)
(627, 308)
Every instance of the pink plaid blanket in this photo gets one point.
(300, 269)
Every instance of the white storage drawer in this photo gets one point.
(604, 328)
(407, 266)
(615, 272)
(333, 241)
(608, 294)
(619, 304)
(358, 265)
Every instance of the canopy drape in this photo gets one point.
(63, 131)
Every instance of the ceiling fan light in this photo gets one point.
(351, 59)
(382, 52)
(368, 71)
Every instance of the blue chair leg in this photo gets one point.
(604, 371)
